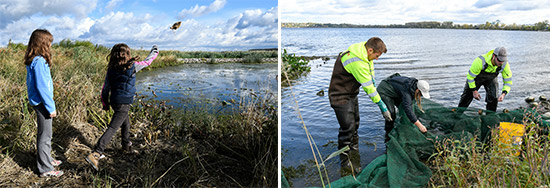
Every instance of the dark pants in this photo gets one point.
(391, 99)
(120, 118)
(43, 139)
(348, 118)
(490, 84)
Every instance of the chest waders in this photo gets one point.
(489, 82)
(346, 108)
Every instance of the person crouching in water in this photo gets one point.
(400, 90)
(118, 92)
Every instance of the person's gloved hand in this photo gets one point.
(387, 115)
(154, 49)
(384, 110)
(476, 95)
(154, 52)
(501, 97)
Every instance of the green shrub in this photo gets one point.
(293, 67)
(253, 58)
(67, 43)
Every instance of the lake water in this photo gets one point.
(208, 85)
(440, 56)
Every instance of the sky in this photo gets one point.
(207, 25)
(385, 12)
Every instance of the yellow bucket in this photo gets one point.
(511, 134)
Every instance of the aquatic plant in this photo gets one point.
(293, 66)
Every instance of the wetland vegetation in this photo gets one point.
(176, 147)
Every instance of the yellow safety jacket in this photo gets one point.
(356, 68)
(483, 64)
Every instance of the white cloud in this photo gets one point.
(14, 10)
(250, 29)
(197, 10)
(60, 27)
(66, 27)
(137, 32)
(118, 26)
(402, 11)
(254, 27)
(486, 3)
(258, 18)
(18, 31)
(112, 4)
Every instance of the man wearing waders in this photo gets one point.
(398, 90)
(353, 69)
(484, 72)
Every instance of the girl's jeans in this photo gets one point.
(120, 118)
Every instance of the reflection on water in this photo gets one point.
(440, 56)
(191, 84)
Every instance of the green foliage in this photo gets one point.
(17, 46)
(293, 67)
(253, 58)
(68, 43)
(496, 25)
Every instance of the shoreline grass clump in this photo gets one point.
(473, 163)
(177, 147)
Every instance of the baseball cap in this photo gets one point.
(424, 88)
(500, 52)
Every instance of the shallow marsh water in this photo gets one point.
(440, 56)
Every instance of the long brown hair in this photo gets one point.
(418, 98)
(120, 58)
(39, 45)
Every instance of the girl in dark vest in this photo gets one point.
(118, 92)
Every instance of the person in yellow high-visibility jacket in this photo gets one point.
(484, 72)
(354, 69)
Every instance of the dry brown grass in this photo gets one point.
(176, 147)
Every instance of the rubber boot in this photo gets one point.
(355, 157)
(351, 159)
(345, 163)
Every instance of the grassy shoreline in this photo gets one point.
(173, 58)
(177, 147)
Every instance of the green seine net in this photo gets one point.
(402, 164)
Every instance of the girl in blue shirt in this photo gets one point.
(40, 93)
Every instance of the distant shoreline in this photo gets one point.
(496, 25)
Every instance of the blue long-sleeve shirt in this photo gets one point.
(40, 84)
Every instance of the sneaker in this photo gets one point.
(93, 159)
(53, 173)
(56, 163)
(127, 147)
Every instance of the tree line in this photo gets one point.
(495, 25)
